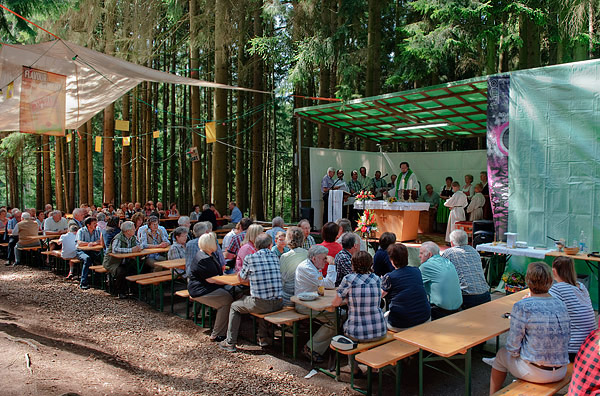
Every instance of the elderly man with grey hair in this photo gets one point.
(277, 224)
(219, 252)
(289, 261)
(25, 230)
(440, 281)
(124, 242)
(208, 215)
(327, 184)
(308, 280)
(191, 248)
(467, 262)
(55, 224)
(261, 269)
(78, 217)
(345, 228)
(343, 260)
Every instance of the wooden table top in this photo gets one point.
(171, 264)
(229, 279)
(140, 253)
(95, 248)
(322, 303)
(458, 332)
(556, 253)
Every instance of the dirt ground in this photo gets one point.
(57, 339)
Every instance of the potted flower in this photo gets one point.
(514, 282)
(364, 195)
(366, 224)
(392, 199)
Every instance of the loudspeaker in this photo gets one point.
(482, 237)
(308, 214)
(483, 225)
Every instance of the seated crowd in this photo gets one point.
(547, 329)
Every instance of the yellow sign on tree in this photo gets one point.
(121, 125)
(210, 129)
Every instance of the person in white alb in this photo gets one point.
(456, 203)
(475, 208)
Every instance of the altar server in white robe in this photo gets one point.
(456, 203)
(475, 208)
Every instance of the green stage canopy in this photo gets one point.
(452, 110)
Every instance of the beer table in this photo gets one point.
(172, 265)
(139, 254)
(453, 337)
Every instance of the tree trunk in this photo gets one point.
(125, 156)
(134, 145)
(83, 174)
(373, 78)
(39, 175)
(90, 164)
(195, 101)
(219, 158)
(173, 137)
(257, 201)
(72, 159)
(529, 53)
(148, 146)
(108, 151)
(13, 182)
(58, 173)
(47, 170)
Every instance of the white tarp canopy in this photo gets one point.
(93, 80)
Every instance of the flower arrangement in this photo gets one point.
(392, 199)
(514, 282)
(365, 195)
(366, 223)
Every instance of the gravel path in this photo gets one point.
(88, 342)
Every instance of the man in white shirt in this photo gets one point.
(309, 279)
(55, 224)
(69, 247)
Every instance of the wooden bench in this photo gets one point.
(382, 356)
(361, 347)
(31, 249)
(155, 281)
(262, 316)
(99, 269)
(520, 387)
(284, 319)
(184, 293)
(135, 278)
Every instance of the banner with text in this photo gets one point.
(497, 150)
(43, 97)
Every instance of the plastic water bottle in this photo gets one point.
(582, 242)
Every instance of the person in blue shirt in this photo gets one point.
(537, 346)
(404, 287)
(236, 214)
(381, 261)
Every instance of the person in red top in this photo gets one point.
(329, 233)
(586, 368)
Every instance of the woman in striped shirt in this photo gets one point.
(576, 298)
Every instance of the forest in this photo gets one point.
(303, 53)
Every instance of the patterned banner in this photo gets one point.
(42, 108)
(497, 150)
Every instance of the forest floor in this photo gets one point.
(59, 340)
